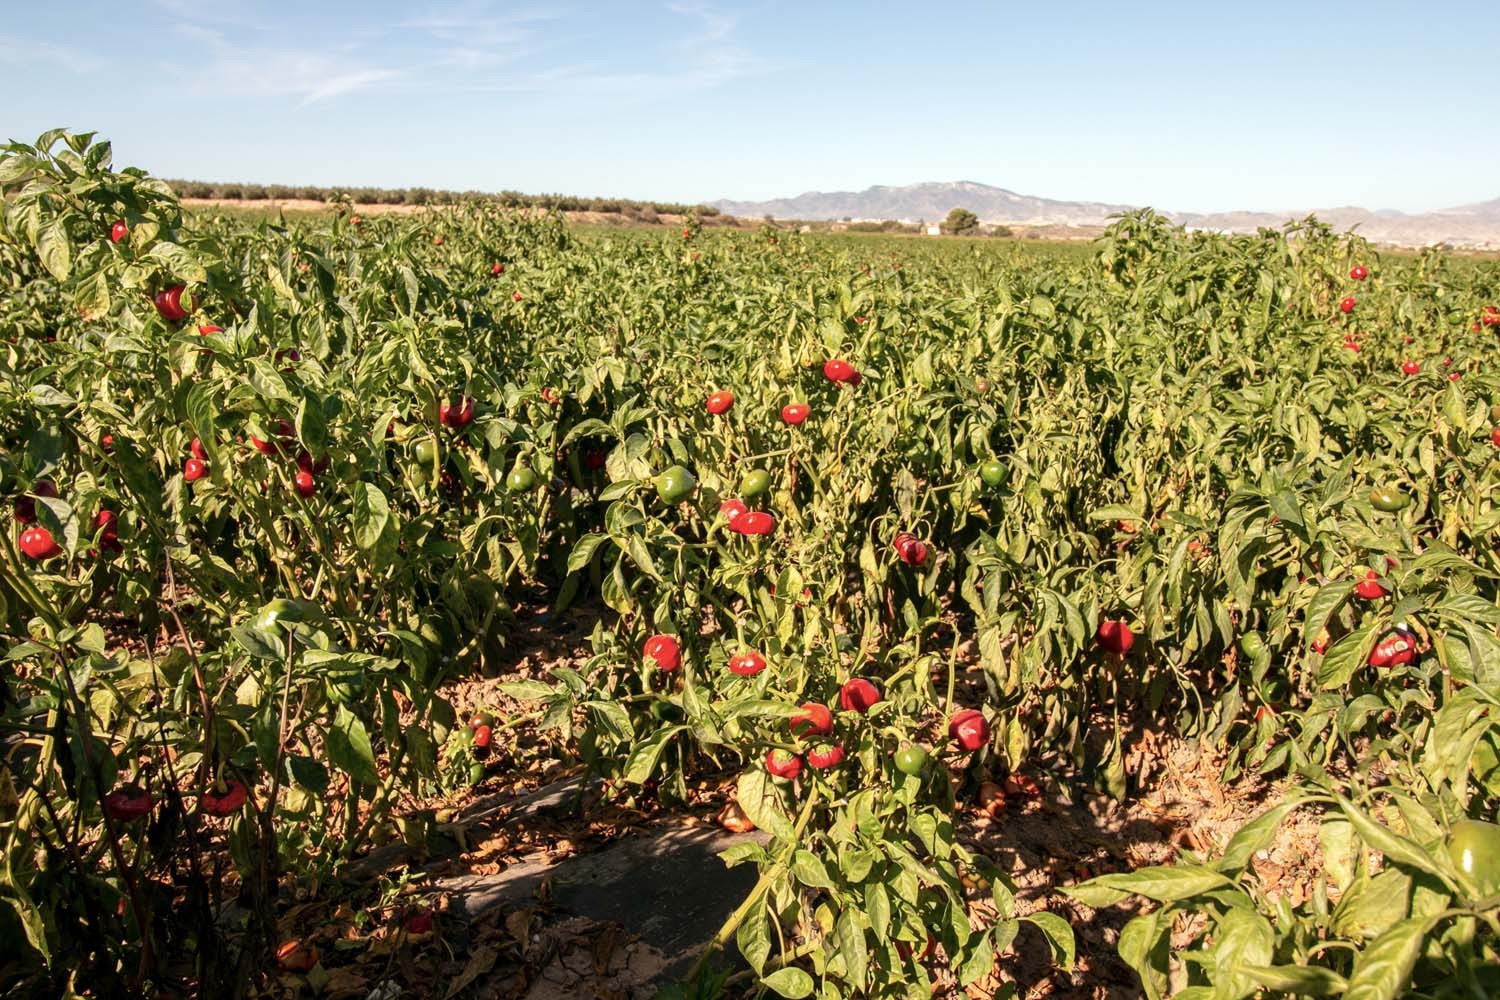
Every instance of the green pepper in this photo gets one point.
(911, 760)
(1389, 500)
(756, 482)
(675, 485)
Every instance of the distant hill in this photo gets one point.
(930, 202)
(1467, 225)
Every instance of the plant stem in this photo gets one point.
(727, 931)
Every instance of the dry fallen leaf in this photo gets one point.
(991, 799)
(294, 956)
(518, 922)
(345, 984)
(482, 960)
(733, 819)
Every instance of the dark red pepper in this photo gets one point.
(224, 797)
(128, 802)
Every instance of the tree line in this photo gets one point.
(236, 191)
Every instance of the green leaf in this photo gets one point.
(792, 983)
(55, 249)
(746, 850)
(849, 933)
(759, 799)
(1164, 883)
(257, 642)
(1115, 512)
(810, 870)
(856, 864)
(15, 167)
(753, 939)
(265, 380)
(1439, 556)
(30, 915)
(1303, 980)
(91, 296)
(583, 551)
(981, 960)
(1371, 905)
(1467, 606)
(200, 413)
(878, 909)
(1453, 409)
(1385, 840)
(1240, 936)
(1253, 836)
(1321, 608)
(590, 427)
(647, 755)
(308, 772)
(1285, 506)
(1093, 894)
(1383, 970)
(1143, 946)
(526, 690)
(43, 394)
(372, 515)
(312, 425)
(635, 545)
(1059, 935)
(612, 716)
(1347, 656)
(179, 260)
(348, 746)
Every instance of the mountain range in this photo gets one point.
(1475, 225)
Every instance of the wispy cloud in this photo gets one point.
(348, 83)
(242, 13)
(717, 25)
(259, 71)
(26, 51)
(241, 69)
(468, 46)
(474, 37)
(480, 25)
(706, 55)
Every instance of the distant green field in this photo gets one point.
(903, 246)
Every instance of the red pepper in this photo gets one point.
(169, 304)
(825, 755)
(457, 415)
(1369, 588)
(37, 543)
(747, 664)
(910, 549)
(1395, 650)
(224, 797)
(664, 650)
(783, 764)
(812, 720)
(755, 522)
(1115, 637)
(858, 695)
(969, 729)
(128, 802)
(835, 370)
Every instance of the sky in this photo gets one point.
(1187, 106)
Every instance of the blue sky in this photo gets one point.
(1186, 106)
